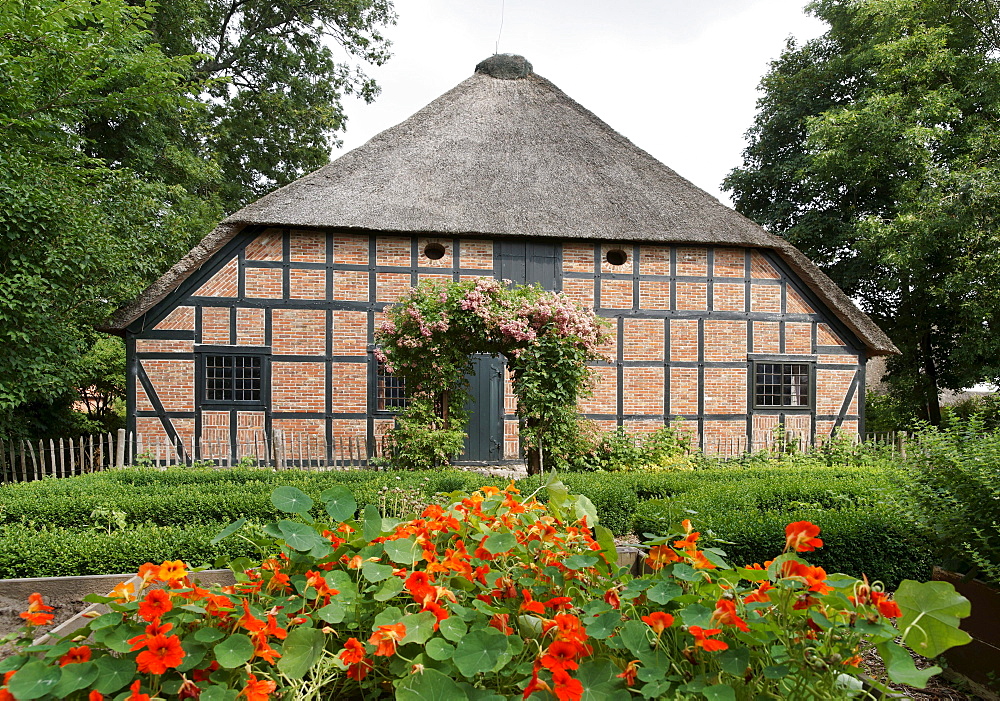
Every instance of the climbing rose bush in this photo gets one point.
(495, 595)
(428, 336)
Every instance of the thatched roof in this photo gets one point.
(506, 153)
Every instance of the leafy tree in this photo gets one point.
(875, 150)
(270, 86)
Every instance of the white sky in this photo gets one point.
(677, 77)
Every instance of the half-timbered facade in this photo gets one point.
(268, 325)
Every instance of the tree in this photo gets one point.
(875, 150)
(270, 87)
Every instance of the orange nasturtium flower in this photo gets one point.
(173, 571)
(161, 654)
(258, 690)
(37, 613)
(135, 695)
(725, 613)
(95, 695)
(75, 655)
(385, 638)
(156, 603)
(629, 675)
(660, 555)
(801, 537)
(658, 621)
(702, 639)
(353, 652)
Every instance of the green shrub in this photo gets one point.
(62, 552)
(952, 489)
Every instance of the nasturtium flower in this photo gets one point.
(658, 621)
(156, 603)
(560, 655)
(75, 655)
(566, 688)
(703, 640)
(386, 638)
(173, 571)
(37, 613)
(630, 673)
(95, 695)
(725, 613)
(161, 654)
(258, 689)
(801, 537)
(353, 652)
(135, 695)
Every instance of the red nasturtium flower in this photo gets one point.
(702, 639)
(725, 613)
(75, 655)
(658, 621)
(95, 695)
(258, 690)
(386, 637)
(37, 613)
(156, 603)
(561, 655)
(135, 695)
(161, 654)
(629, 675)
(566, 687)
(501, 621)
(4, 694)
(801, 537)
(353, 652)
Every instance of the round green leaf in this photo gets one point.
(234, 651)
(208, 635)
(375, 572)
(339, 503)
(298, 535)
(439, 649)
(479, 651)
(404, 551)
(429, 685)
(291, 500)
(719, 692)
(334, 612)
(301, 649)
(34, 680)
(499, 543)
(578, 562)
(113, 673)
(74, 677)
(453, 628)
(229, 530)
(932, 612)
(391, 588)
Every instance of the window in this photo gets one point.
(782, 384)
(616, 257)
(434, 251)
(233, 375)
(390, 391)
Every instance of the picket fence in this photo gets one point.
(793, 441)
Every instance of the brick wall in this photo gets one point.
(691, 320)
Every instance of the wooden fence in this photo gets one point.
(794, 441)
(23, 461)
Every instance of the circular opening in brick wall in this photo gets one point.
(434, 251)
(616, 256)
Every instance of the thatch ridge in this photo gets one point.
(511, 157)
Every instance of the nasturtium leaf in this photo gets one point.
(333, 612)
(75, 676)
(719, 692)
(234, 651)
(584, 508)
(374, 572)
(557, 491)
(342, 582)
(439, 649)
(194, 653)
(34, 680)
(339, 503)
(932, 612)
(600, 681)
(387, 617)
(229, 530)
(429, 685)
(734, 661)
(603, 626)
(683, 570)
(405, 551)
(372, 527)
(108, 619)
(475, 694)
(218, 693)
(291, 500)
(298, 535)
(820, 620)
(578, 562)
(453, 628)
(900, 668)
(479, 651)
(391, 588)
(113, 673)
(499, 543)
(12, 662)
(606, 539)
(664, 592)
(419, 627)
(301, 649)
(715, 556)
(775, 671)
(635, 635)
(208, 635)
(697, 615)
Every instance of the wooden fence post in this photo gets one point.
(120, 453)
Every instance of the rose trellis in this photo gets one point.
(428, 337)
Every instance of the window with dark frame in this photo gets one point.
(390, 391)
(233, 378)
(782, 385)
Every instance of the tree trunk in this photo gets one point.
(930, 372)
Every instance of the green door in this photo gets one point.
(484, 442)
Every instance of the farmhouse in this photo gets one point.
(267, 325)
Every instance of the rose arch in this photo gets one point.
(428, 337)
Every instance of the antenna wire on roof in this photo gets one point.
(496, 48)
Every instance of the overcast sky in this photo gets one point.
(677, 77)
